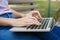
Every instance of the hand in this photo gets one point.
(26, 21)
(35, 14)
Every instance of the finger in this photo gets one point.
(35, 21)
(36, 14)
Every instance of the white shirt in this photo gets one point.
(4, 7)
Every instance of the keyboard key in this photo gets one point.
(46, 24)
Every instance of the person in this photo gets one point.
(9, 18)
(27, 19)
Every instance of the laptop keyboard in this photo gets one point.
(44, 23)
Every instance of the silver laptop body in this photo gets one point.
(47, 25)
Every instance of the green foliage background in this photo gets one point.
(43, 8)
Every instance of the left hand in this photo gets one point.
(35, 14)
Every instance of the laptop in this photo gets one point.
(47, 26)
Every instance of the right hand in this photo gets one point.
(26, 21)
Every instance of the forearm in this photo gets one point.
(17, 14)
(6, 21)
(11, 22)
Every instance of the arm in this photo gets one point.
(6, 21)
(32, 13)
(10, 22)
(17, 14)
(25, 21)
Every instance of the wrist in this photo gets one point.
(23, 15)
(12, 22)
(16, 22)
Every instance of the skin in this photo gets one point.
(27, 19)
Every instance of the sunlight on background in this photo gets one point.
(43, 7)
